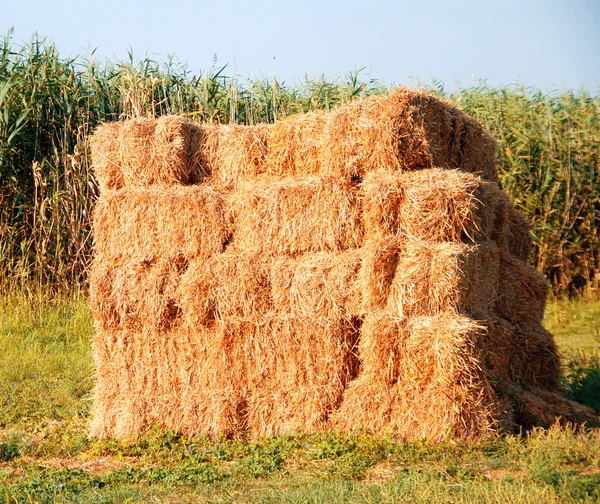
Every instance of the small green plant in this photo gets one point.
(582, 380)
(352, 465)
(10, 449)
(262, 464)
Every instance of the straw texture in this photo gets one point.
(437, 277)
(434, 205)
(431, 386)
(294, 215)
(230, 154)
(139, 222)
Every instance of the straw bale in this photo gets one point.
(402, 131)
(434, 277)
(190, 381)
(203, 147)
(539, 407)
(534, 359)
(520, 354)
(366, 405)
(440, 206)
(294, 215)
(104, 148)
(522, 292)
(434, 205)
(125, 293)
(381, 346)
(433, 388)
(453, 139)
(119, 410)
(196, 294)
(296, 145)
(449, 393)
(149, 223)
(520, 243)
(142, 152)
(382, 196)
(448, 206)
(478, 150)
(298, 369)
(226, 287)
(498, 351)
(493, 215)
(457, 140)
(319, 284)
(443, 129)
(379, 259)
(231, 153)
(376, 132)
(107, 389)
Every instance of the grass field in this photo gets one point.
(46, 376)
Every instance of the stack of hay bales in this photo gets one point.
(352, 269)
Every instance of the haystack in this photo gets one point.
(353, 269)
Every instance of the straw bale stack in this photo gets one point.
(359, 268)
(402, 131)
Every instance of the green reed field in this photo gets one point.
(548, 150)
(46, 456)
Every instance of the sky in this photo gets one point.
(546, 44)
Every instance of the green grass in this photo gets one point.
(575, 325)
(45, 359)
(46, 456)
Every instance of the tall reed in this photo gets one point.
(549, 159)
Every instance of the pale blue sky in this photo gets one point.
(548, 44)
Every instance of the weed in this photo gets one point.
(582, 380)
(10, 449)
